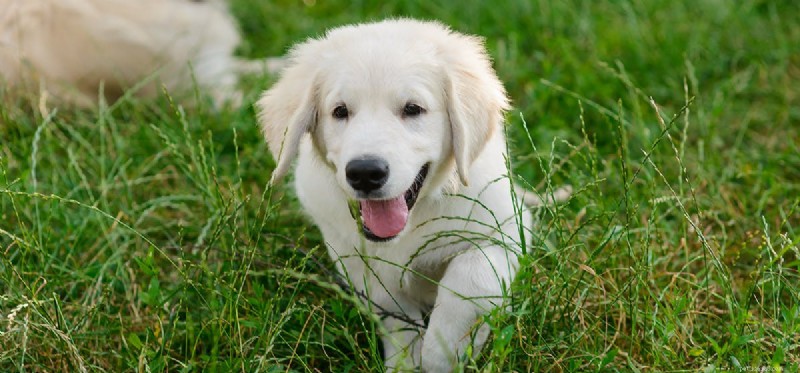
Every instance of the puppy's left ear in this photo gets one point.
(288, 110)
(476, 99)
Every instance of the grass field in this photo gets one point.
(142, 236)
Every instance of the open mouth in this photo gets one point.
(384, 219)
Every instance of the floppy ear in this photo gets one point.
(476, 100)
(287, 111)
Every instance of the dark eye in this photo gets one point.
(341, 112)
(412, 110)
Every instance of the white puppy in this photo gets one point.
(69, 49)
(404, 117)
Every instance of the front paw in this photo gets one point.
(441, 355)
(402, 351)
(437, 356)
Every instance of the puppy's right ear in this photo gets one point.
(288, 110)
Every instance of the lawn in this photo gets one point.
(143, 235)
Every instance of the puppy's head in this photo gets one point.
(397, 110)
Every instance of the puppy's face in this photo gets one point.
(382, 125)
(396, 110)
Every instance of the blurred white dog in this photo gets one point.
(404, 118)
(73, 49)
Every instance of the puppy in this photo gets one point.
(403, 119)
(72, 50)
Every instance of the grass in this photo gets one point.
(142, 236)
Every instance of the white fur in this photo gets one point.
(68, 49)
(453, 256)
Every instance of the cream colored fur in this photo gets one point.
(72, 49)
(458, 252)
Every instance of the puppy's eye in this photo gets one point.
(412, 110)
(341, 112)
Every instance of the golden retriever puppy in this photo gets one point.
(402, 120)
(74, 49)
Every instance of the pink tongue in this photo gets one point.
(385, 218)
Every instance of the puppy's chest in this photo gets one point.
(420, 283)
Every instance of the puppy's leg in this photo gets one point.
(400, 317)
(403, 341)
(471, 287)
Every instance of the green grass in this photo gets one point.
(143, 236)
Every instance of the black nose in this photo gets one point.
(367, 174)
